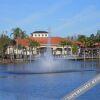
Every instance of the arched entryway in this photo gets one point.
(42, 50)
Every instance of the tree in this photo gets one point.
(82, 38)
(4, 42)
(92, 37)
(12, 42)
(89, 42)
(85, 40)
(63, 43)
(74, 49)
(18, 33)
(33, 44)
(98, 36)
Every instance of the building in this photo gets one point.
(42, 37)
(40, 34)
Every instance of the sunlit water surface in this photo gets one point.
(39, 81)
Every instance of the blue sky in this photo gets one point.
(63, 17)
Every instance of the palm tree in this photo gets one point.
(18, 33)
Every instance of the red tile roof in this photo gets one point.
(24, 42)
(41, 40)
(44, 40)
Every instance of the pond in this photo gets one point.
(35, 81)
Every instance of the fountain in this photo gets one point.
(46, 64)
(47, 59)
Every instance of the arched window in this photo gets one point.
(39, 35)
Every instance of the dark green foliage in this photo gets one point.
(63, 43)
(4, 43)
(74, 49)
(18, 33)
(33, 44)
(91, 40)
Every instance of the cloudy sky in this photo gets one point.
(63, 17)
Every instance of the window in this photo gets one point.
(39, 35)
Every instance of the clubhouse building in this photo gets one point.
(42, 37)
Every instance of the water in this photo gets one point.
(47, 78)
(33, 81)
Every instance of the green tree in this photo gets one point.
(12, 42)
(82, 38)
(98, 36)
(4, 43)
(63, 43)
(33, 44)
(92, 37)
(90, 42)
(74, 49)
(85, 40)
(18, 33)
